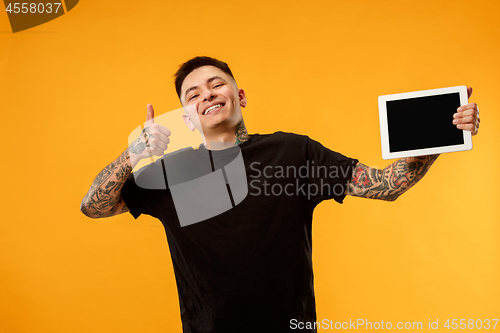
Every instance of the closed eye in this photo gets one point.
(190, 98)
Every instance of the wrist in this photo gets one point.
(134, 159)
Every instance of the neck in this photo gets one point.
(241, 133)
(227, 139)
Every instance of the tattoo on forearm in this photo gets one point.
(241, 133)
(139, 145)
(389, 183)
(103, 199)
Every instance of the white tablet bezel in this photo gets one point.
(384, 133)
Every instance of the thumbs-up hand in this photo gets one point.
(153, 139)
(150, 118)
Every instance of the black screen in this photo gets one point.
(423, 122)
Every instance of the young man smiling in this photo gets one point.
(249, 268)
(218, 102)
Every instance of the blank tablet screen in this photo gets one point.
(423, 122)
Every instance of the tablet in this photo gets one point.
(421, 123)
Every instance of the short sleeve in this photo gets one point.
(129, 195)
(146, 191)
(140, 190)
(329, 173)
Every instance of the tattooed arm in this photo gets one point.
(388, 184)
(104, 197)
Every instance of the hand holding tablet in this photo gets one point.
(467, 117)
(445, 128)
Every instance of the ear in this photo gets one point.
(242, 97)
(188, 122)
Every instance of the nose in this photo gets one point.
(208, 95)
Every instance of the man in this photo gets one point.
(249, 268)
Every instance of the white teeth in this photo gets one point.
(210, 109)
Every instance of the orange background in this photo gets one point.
(74, 88)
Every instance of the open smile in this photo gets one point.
(213, 109)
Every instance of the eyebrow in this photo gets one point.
(208, 81)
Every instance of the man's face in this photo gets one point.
(214, 96)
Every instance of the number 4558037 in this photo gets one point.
(33, 7)
(471, 324)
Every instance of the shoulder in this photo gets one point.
(275, 146)
(280, 137)
(293, 141)
(290, 142)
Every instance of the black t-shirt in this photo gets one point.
(248, 269)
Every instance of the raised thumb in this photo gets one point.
(151, 115)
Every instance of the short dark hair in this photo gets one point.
(195, 63)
